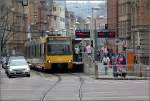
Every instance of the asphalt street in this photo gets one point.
(70, 87)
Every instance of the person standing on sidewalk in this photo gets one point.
(105, 50)
(114, 63)
(105, 62)
(88, 49)
(121, 61)
(77, 52)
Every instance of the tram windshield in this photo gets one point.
(58, 47)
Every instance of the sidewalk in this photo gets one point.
(110, 77)
(101, 75)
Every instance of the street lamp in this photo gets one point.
(93, 32)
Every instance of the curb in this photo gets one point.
(145, 78)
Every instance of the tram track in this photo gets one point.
(37, 73)
(80, 87)
(59, 76)
(51, 87)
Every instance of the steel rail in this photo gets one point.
(51, 87)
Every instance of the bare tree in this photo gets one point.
(5, 30)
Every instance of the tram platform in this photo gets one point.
(78, 63)
(78, 66)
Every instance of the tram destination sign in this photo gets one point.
(82, 34)
(106, 34)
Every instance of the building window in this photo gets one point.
(62, 19)
(55, 18)
(54, 8)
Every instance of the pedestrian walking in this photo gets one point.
(77, 52)
(105, 50)
(105, 62)
(114, 63)
(89, 49)
(121, 68)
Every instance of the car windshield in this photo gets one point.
(17, 62)
(16, 57)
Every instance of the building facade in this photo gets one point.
(140, 29)
(47, 17)
(101, 22)
(70, 23)
(132, 17)
(15, 25)
(124, 23)
(112, 15)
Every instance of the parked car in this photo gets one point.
(4, 62)
(17, 66)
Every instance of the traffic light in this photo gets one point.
(106, 26)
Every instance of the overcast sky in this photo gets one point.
(85, 1)
(84, 8)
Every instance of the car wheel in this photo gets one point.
(9, 76)
(28, 75)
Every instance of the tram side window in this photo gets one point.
(44, 49)
(40, 50)
(34, 50)
(28, 51)
(37, 50)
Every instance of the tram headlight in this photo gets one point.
(69, 61)
(49, 61)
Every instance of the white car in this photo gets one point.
(17, 67)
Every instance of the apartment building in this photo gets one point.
(56, 18)
(15, 25)
(132, 17)
(70, 23)
(140, 28)
(112, 15)
(101, 22)
(47, 17)
(124, 23)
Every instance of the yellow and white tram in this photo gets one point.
(46, 51)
